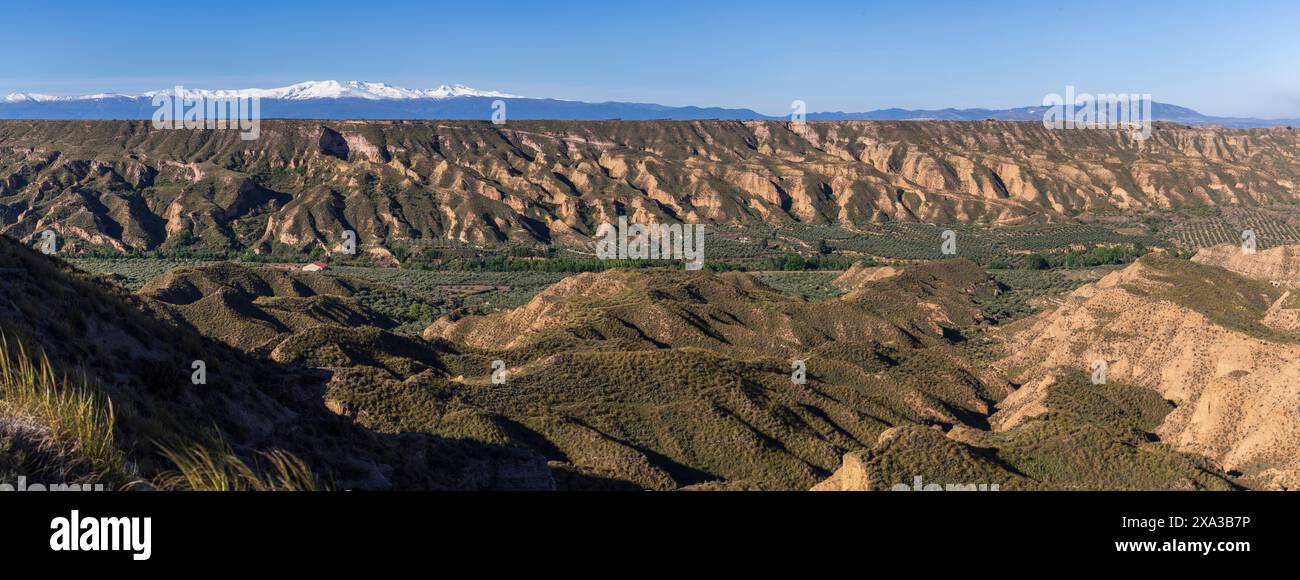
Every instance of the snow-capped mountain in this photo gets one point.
(356, 100)
(295, 92)
(369, 100)
(42, 98)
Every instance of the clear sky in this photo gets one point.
(1225, 58)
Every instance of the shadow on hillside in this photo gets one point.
(92, 328)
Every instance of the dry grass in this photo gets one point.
(204, 468)
(79, 419)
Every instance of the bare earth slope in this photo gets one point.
(1216, 344)
(1280, 265)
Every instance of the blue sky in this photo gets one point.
(1240, 59)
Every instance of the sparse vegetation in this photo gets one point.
(811, 286)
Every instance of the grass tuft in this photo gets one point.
(79, 419)
(203, 468)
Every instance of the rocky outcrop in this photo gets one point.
(852, 476)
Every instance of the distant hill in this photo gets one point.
(1159, 112)
(255, 309)
(122, 185)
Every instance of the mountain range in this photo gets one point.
(370, 100)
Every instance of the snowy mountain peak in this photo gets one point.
(446, 92)
(338, 90)
(21, 97)
(328, 89)
(42, 98)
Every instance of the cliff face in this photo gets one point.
(126, 185)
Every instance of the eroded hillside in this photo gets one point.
(1225, 349)
(255, 308)
(665, 379)
(123, 185)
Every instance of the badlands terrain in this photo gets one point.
(124, 186)
(473, 342)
